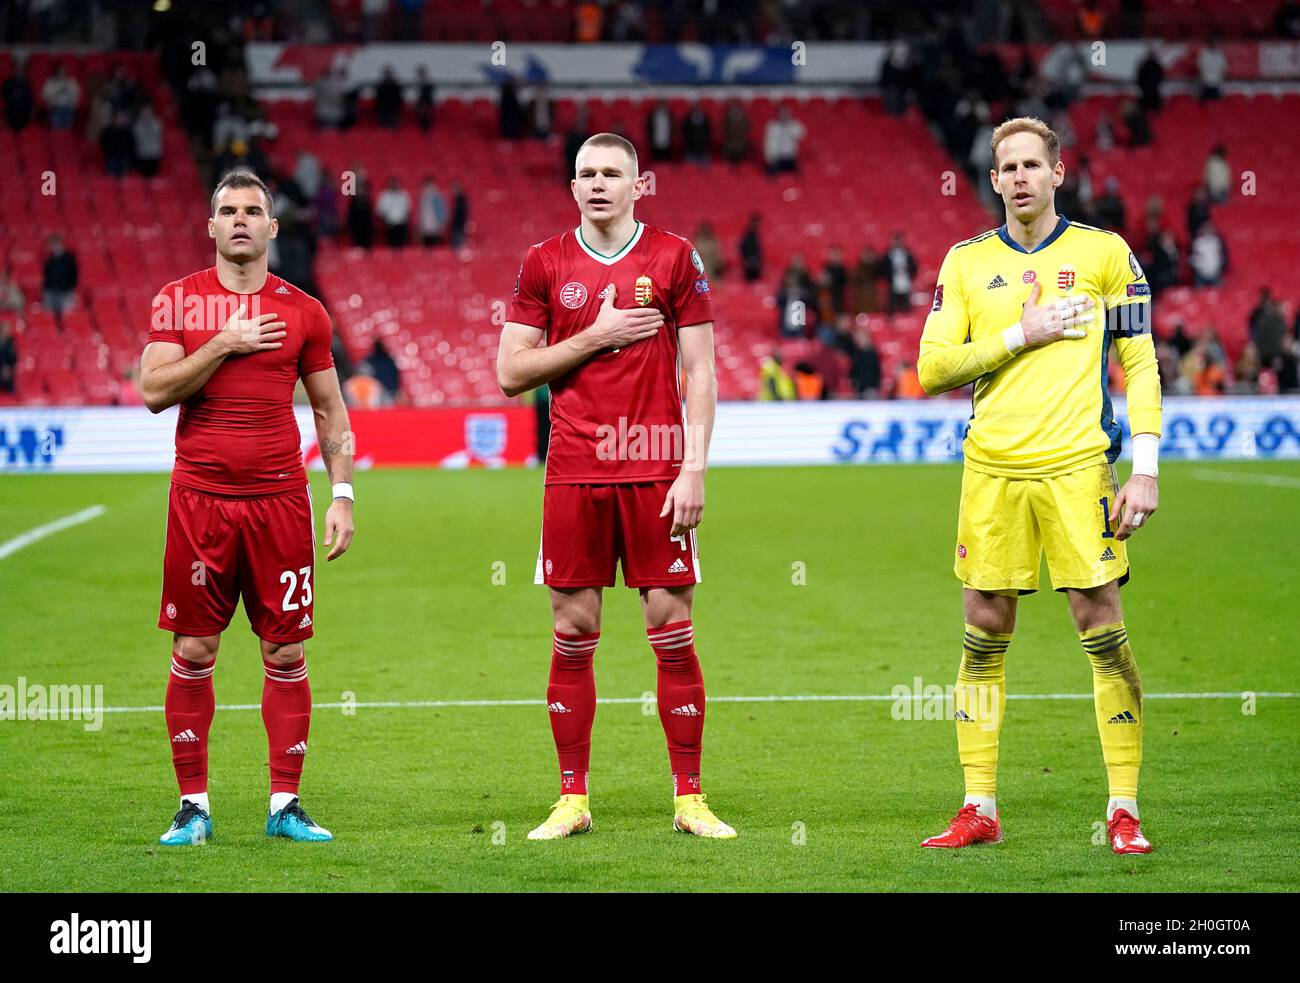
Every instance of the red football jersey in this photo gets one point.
(237, 434)
(617, 417)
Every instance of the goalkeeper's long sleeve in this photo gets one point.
(1142, 382)
(944, 364)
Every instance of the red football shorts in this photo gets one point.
(219, 549)
(587, 530)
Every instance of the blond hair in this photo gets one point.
(1027, 124)
(610, 140)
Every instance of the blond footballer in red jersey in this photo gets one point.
(239, 518)
(612, 314)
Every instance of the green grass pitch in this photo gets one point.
(826, 795)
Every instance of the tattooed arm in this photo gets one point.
(337, 450)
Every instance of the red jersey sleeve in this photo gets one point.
(316, 355)
(690, 288)
(165, 320)
(531, 303)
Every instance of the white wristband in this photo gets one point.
(1146, 454)
(343, 489)
(1014, 338)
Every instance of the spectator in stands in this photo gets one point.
(1212, 67)
(808, 382)
(118, 143)
(1289, 376)
(896, 78)
(374, 16)
(61, 94)
(1247, 371)
(1180, 339)
(697, 135)
(1091, 20)
(1208, 257)
(229, 126)
(1171, 379)
(8, 358)
(588, 21)
(1103, 134)
(388, 100)
(1150, 79)
(331, 100)
(1163, 268)
(1137, 123)
(659, 131)
(573, 140)
(837, 276)
(707, 245)
(124, 95)
(307, 175)
(394, 210)
(148, 133)
(511, 110)
(1066, 70)
(900, 270)
(199, 102)
(433, 213)
(907, 383)
(425, 101)
(11, 294)
(1109, 209)
(1268, 330)
(781, 142)
(864, 361)
(361, 218)
(774, 383)
(459, 215)
(751, 249)
(864, 282)
(409, 16)
(1218, 175)
(541, 113)
(18, 98)
(1198, 211)
(326, 207)
(1203, 365)
(60, 277)
(735, 133)
(380, 364)
(1286, 22)
(795, 303)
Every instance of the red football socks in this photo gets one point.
(188, 708)
(681, 701)
(571, 702)
(286, 712)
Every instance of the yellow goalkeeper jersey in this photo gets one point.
(1045, 411)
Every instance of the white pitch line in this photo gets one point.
(829, 698)
(1247, 478)
(40, 532)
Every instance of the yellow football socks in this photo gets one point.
(979, 704)
(1117, 695)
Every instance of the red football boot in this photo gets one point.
(968, 827)
(1126, 834)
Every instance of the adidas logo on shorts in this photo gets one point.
(686, 711)
(558, 707)
(1109, 554)
(678, 566)
(1123, 718)
(186, 736)
(305, 622)
(299, 748)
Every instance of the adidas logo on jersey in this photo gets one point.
(299, 748)
(997, 281)
(558, 707)
(686, 711)
(186, 736)
(305, 622)
(678, 566)
(282, 289)
(1109, 554)
(963, 717)
(1123, 718)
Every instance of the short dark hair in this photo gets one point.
(243, 178)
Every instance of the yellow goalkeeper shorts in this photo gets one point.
(1006, 524)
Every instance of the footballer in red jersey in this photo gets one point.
(228, 345)
(612, 315)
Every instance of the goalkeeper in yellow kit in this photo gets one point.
(1027, 312)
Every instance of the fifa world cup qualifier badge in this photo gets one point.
(645, 291)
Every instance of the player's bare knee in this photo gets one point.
(576, 611)
(199, 649)
(666, 605)
(1095, 606)
(281, 653)
(990, 611)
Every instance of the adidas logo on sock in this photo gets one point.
(299, 748)
(963, 716)
(1123, 718)
(678, 566)
(686, 711)
(558, 707)
(1108, 555)
(305, 622)
(997, 281)
(186, 736)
